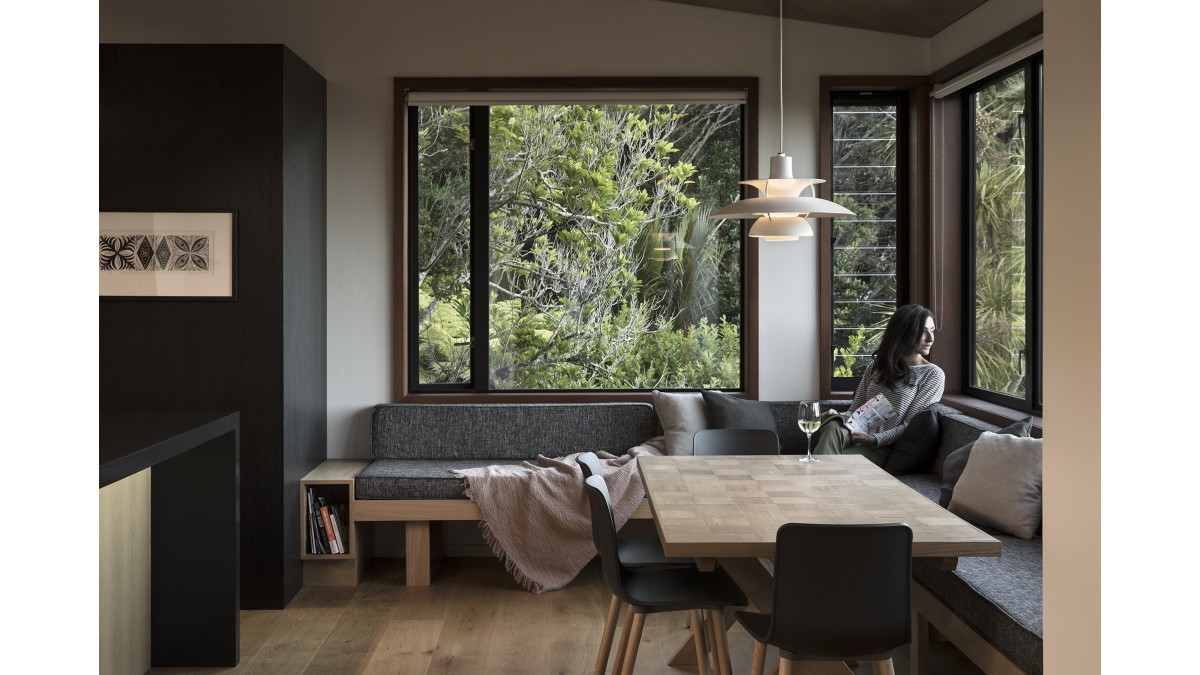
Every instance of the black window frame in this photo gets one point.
(1034, 224)
(406, 368)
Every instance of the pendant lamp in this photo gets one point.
(781, 212)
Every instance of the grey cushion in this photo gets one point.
(681, 415)
(728, 412)
(507, 430)
(918, 445)
(1001, 485)
(413, 478)
(956, 430)
(953, 467)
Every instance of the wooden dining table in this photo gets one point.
(726, 510)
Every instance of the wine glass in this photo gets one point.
(809, 419)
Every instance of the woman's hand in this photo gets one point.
(865, 439)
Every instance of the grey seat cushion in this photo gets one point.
(502, 431)
(1001, 598)
(414, 478)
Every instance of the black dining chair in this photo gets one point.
(841, 593)
(649, 591)
(633, 551)
(636, 552)
(735, 442)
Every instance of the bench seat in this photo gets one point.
(415, 478)
(998, 599)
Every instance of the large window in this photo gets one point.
(555, 245)
(1003, 142)
(868, 254)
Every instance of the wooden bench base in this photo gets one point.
(929, 611)
(416, 514)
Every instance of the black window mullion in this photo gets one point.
(480, 250)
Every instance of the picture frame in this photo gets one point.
(168, 255)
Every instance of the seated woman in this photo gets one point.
(901, 372)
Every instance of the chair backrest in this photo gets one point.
(842, 591)
(590, 463)
(735, 442)
(604, 536)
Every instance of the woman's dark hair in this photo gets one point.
(900, 339)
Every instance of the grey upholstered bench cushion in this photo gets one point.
(415, 478)
(1000, 597)
(498, 431)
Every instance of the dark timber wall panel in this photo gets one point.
(227, 128)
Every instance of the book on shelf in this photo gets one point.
(330, 535)
(335, 517)
(317, 541)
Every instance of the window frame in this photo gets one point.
(1034, 225)
(913, 254)
(404, 341)
(899, 98)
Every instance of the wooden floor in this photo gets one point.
(473, 620)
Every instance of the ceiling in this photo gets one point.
(920, 18)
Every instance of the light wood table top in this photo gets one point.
(730, 506)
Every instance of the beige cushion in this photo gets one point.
(681, 415)
(1001, 485)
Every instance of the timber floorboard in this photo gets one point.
(474, 619)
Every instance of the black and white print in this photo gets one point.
(191, 252)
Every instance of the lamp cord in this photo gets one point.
(781, 77)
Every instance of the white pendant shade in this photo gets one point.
(783, 211)
(781, 206)
(781, 228)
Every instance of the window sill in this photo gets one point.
(990, 412)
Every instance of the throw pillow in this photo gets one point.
(681, 416)
(1001, 486)
(727, 412)
(956, 461)
(917, 447)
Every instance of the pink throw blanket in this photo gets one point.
(536, 517)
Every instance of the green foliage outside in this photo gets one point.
(604, 269)
(1000, 237)
(864, 257)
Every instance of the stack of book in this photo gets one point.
(325, 525)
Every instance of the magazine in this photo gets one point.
(872, 413)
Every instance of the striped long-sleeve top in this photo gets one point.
(928, 383)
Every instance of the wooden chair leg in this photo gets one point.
(624, 644)
(785, 667)
(698, 635)
(610, 627)
(759, 660)
(883, 667)
(635, 637)
(721, 655)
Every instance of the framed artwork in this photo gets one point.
(167, 255)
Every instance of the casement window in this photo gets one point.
(1002, 146)
(868, 252)
(557, 239)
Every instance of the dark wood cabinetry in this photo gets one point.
(238, 128)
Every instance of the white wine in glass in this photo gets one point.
(809, 419)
